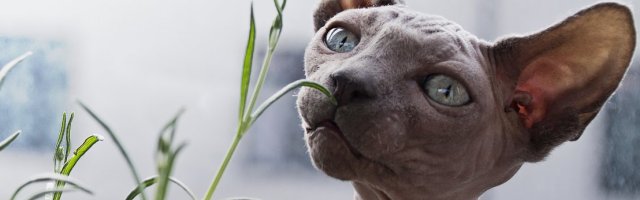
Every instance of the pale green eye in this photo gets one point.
(445, 90)
(341, 40)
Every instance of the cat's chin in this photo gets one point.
(331, 153)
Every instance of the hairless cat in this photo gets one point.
(428, 111)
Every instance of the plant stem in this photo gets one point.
(244, 124)
(225, 162)
(261, 77)
(246, 118)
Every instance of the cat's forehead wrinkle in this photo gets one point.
(431, 36)
(371, 19)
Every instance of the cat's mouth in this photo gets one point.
(330, 127)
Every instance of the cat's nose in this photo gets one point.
(352, 86)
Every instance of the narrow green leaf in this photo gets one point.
(10, 65)
(248, 62)
(123, 152)
(287, 88)
(51, 177)
(174, 124)
(164, 140)
(58, 158)
(154, 179)
(68, 139)
(77, 154)
(9, 140)
(165, 173)
(276, 27)
(274, 37)
(58, 155)
(165, 156)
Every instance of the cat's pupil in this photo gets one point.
(344, 40)
(446, 91)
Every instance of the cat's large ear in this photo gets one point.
(329, 8)
(558, 79)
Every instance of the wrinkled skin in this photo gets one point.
(392, 141)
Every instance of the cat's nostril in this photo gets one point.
(358, 95)
(349, 88)
(340, 83)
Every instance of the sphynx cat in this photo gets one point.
(428, 111)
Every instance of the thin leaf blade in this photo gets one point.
(68, 138)
(276, 27)
(77, 154)
(247, 65)
(9, 140)
(167, 133)
(165, 174)
(11, 64)
(58, 155)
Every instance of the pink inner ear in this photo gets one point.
(544, 80)
(535, 110)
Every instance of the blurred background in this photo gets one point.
(136, 63)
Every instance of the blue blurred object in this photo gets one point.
(34, 93)
(621, 161)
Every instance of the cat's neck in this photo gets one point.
(364, 191)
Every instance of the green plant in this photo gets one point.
(123, 152)
(165, 160)
(166, 153)
(62, 164)
(247, 115)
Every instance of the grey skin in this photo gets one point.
(528, 95)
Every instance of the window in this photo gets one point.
(276, 139)
(621, 160)
(34, 93)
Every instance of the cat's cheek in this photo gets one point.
(331, 154)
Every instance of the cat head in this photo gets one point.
(423, 103)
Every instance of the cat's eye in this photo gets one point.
(341, 40)
(446, 90)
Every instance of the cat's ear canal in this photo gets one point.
(329, 8)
